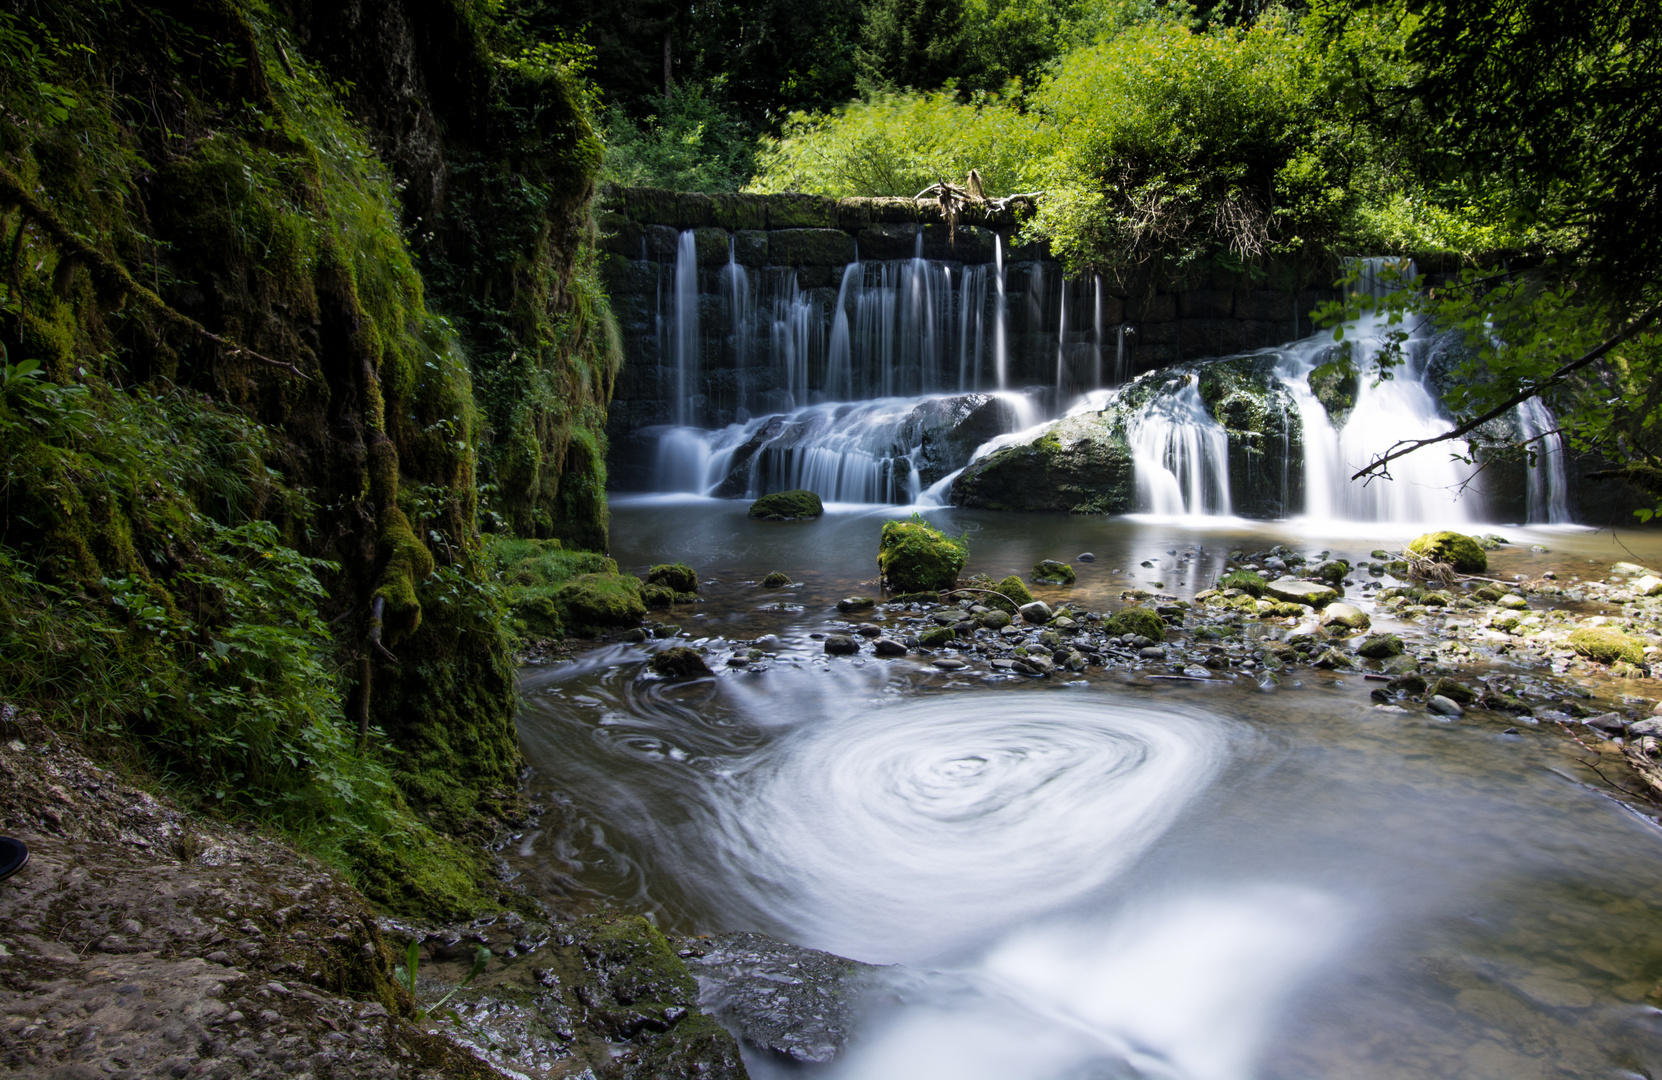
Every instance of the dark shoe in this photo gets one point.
(14, 856)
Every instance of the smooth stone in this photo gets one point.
(889, 647)
(1152, 652)
(1347, 615)
(1648, 585)
(867, 629)
(1612, 723)
(1443, 706)
(1627, 569)
(1038, 612)
(841, 645)
(951, 665)
(1291, 590)
(1515, 602)
(1195, 671)
(1087, 557)
(855, 603)
(1651, 726)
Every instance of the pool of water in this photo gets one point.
(1106, 877)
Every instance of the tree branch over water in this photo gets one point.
(1377, 467)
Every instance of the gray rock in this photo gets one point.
(1291, 590)
(1650, 726)
(1152, 652)
(1513, 602)
(1348, 616)
(799, 1004)
(855, 603)
(867, 629)
(888, 647)
(1086, 556)
(1081, 465)
(1443, 706)
(1610, 723)
(1038, 612)
(1334, 660)
(841, 645)
(950, 665)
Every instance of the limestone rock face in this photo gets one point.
(1081, 465)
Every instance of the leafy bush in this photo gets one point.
(691, 141)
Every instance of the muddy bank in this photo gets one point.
(143, 942)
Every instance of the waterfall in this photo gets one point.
(1000, 349)
(685, 316)
(1181, 454)
(1548, 486)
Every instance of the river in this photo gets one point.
(1106, 876)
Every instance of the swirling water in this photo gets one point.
(1113, 879)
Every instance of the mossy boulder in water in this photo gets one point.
(777, 579)
(1082, 465)
(913, 556)
(1265, 431)
(1014, 588)
(1607, 645)
(1052, 572)
(593, 602)
(1244, 580)
(797, 505)
(1336, 384)
(679, 662)
(676, 576)
(1458, 550)
(1136, 620)
(1380, 647)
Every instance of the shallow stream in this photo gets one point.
(1110, 876)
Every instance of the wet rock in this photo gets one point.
(1409, 682)
(1291, 590)
(1086, 556)
(855, 603)
(1454, 690)
(679, 662)
(1348, 616)
(1152, 652)
(1458, 550)
(1380, 647)
(1335, 660)
(1037, 613)
(797, 505)
(1442, 706)
(913, 556)
(1035, 664)
(889, 647)
(867, 629)
(995, 620)
(949, 664)
(1513, 602)
(1081, 465)
(1649, 726)
(1648, 585)
(1052, 572)
(1610, 723)
(798, 1004)
(777, 579)
(679, 577)
(1137, 620)
(934, 639)
(841, 645)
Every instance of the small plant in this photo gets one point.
(405, 975)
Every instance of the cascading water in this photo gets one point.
(685, 315)
(1548, 485)
(1181, 453)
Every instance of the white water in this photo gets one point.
(1181, 453)
(905, 332)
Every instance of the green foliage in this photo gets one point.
(899, 144)
(907, 44)
(913, 556)
(691, 140)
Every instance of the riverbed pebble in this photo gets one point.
(1443, 706)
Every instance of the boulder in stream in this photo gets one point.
(1081, 465)
(1290, 590)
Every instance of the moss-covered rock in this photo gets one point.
(1245, 580)
(594, 602)
(1456, 691)
(1336, 384)
(935, 638)
(1138, 620)
(1607, 645)
(679, 577)
(1380, 647)
(1458, 550)
(679, 662)
(914, 556)
(777, 579)
(1081, 465)
(1053, 572)
(796, 505)
(1265, 431)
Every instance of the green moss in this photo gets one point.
(777, 579)
(593, 602)
(940, 635)
(914, 556)
(1607, 645)
(1462, 552)
(679, 662)
(406, 562)
(1380, 647)
(925, 597)
(1136, 620)
(1245, 580)
(796, 505)
(1014, 588)
(1336, 384)
(1053, 572)
(678, 577)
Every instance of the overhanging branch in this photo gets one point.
(1408, 446)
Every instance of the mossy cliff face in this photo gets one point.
(1082, 465)
(1266, 434)
(245, 473)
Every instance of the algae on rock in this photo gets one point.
(914, 556)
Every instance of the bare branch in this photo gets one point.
(1404, 447)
